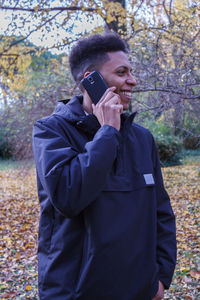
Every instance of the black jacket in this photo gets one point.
(107, 230)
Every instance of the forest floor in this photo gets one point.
(19, 211)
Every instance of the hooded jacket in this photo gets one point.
(107, 229)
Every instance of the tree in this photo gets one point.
(13, 65)
(159, 22)
(167, 62)
(163, 38)
(46, 79)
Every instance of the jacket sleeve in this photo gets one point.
(166, 228)
(72, 180)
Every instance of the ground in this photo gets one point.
(19, 226)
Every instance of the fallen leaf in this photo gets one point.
(195, 274)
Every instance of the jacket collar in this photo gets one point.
(72, 111)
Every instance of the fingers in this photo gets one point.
(108, 95)
(109, 108)
(110, 89)
(117, 107)
(111, 104)
(114, 106)
(109, 100)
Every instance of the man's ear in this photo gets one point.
(86, 74)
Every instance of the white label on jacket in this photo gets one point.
(149, 179)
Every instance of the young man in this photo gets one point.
(107, 230)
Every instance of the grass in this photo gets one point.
(190, 156)
(185, 157)
(10, 164)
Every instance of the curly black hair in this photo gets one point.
(89, 53)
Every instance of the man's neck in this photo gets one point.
(87, 104)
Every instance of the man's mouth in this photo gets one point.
(127, 94)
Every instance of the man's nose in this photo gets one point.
(131, 80)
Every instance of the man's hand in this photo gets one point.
(160, 293)
(108, 109)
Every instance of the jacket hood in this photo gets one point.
(70, 109)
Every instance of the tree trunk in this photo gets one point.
(116, 26)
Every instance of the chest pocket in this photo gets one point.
(126, 184)
(117, 183)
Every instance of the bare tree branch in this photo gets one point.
(49, 9)
(168, 14)
(28, 35)
(165, 90)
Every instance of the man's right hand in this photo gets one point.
(109, 109)
(160, 293)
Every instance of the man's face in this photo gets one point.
(117, 72)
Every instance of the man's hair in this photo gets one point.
(90, 53)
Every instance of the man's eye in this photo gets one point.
(121, 72)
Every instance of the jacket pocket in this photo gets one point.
(126, 184)
(117, 183)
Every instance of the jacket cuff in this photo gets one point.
(109, 131)
(166, 281)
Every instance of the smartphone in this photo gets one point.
(94, 85)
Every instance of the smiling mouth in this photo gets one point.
(127, 94)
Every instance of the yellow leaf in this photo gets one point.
(28, 287)
(184, 269)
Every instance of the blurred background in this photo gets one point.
(163, 39)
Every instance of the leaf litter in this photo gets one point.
(19, 209)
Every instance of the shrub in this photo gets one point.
(192, 142)
(168, 144)
(5, 147)
(159, 127)
(168, 147)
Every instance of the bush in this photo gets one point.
(159, 126)
(192, 142)
(168, 144)
(5, 147)
(168, 147)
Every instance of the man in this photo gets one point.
(107, 230)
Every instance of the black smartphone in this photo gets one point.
(94, 85)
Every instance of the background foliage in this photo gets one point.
(163, 38)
